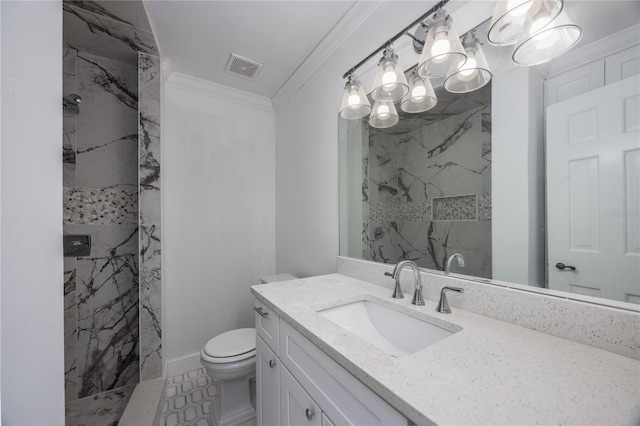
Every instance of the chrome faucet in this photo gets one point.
(397, 291)
(458, 256)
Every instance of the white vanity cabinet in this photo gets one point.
(298, 384)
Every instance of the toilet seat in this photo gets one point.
(232, 346)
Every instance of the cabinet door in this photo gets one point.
(267, 385)
(297, 407)
(326, 421)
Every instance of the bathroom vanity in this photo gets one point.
(311, 370)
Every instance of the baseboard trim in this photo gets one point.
(183, 364)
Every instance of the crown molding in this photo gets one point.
(218, 91)
(597, 50)
(353, 19)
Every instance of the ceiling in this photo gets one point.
(198, 37)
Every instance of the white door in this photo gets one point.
(298, 409)
(268, 385)
(593, 192)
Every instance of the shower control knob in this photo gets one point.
(272, 363)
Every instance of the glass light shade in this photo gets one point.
(390, 82)
(383, 115)
(509, 18)
(354, 101)
(473, 74)
(421, 96)
(442, 48)
(538, 46)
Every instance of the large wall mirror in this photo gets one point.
(534, 178)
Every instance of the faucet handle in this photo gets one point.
(443, 304)
(388, 274)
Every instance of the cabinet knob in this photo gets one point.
(310, 412)
(272, 363)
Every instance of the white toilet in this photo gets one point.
(230, 358)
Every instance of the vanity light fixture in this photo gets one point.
(383, 115)
(390, 82)
(474, 74)
(442, 49)
(354, 101)
(509, 17)
(542, 43)
(421, 96)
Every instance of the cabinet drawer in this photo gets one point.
(267, 325)
(267, 385)
(343, 398)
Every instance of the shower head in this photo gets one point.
(70, 103)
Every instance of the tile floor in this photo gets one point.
(104, 409)
(188, 400)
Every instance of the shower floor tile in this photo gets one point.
(188, 400)
(104, 409)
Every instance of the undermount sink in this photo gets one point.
(395, 333)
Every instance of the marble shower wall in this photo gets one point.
(149, 78)
(427, 184)
(100, 160)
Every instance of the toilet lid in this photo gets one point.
(232, 343)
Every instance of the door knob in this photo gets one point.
(272, 363)
(562, 266)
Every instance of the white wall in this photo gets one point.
(218, 209)
(517, 177)
(307, 218)
(31, 229)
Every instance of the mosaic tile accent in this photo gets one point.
(409, 212)
(484, 208)
(101, 206)
(462, 207)
(102, 409)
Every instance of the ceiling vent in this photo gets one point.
(243, 67)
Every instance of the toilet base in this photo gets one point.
(232, 405)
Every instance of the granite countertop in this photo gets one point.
(491, 372)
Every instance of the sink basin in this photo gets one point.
(395, 333)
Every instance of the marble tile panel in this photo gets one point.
(383, 172)
(149, 137)
(383, 242)
(461, 207)
(69, 57)
(107, 126)
(150, 303)
(107, 309)
(100, 206)
(99, 34)
(131, 13)
(70, 330)
(104, 409)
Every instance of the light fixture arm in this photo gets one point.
(430, 12)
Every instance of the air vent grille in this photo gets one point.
(243, 67)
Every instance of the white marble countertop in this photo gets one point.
(491, 372)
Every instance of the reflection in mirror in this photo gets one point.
(534, 178)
